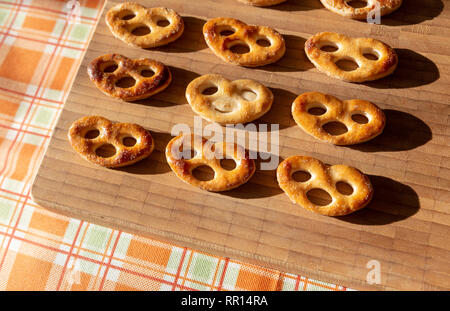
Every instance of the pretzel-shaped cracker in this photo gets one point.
(238, 101)
(209, 153)
(220, 42)
(109, 70)
(324, 177)
(104, 143)
(341, 111)
(360, 50)
(125, 20)
(261, 2)
(343, 7)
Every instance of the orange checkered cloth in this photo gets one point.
(41, 46)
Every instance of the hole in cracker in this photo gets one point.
(141, 30)
(357, 4)
(91, 134)
(228, 164)
(226, 31)
(163, 22)
(371, 56)
(203, 173)
(360, 118)
(239, 48)
(127, 15)
(147, 73)
(105, 151)
(317, 111)
(126, 82)
(263, 42)
(347, 64)
(110, 68)
(129, 141)
(344, 188)
(210, 90)
(319, 197)
(248, 95)
(335, 128)
(301, 176)
(329, 48)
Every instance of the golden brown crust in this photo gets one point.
(262, 2)
(338, 111)
(209, 153)
(238, 101)
(258, 55)
(351, 49)
(324, 177)
(110, 134)
(144, 86)
(143, 17)
(343, 8)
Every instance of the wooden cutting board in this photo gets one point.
(407, 226)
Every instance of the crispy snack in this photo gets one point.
(110, 144)
(335, 110)
(208, 153)
(261, 2)
(374, 58)
(145, 28)
(343, 7)
(324, 177)
(264, 44)
(110, 70)
(238, 101)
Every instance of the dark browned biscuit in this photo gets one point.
(107, 144)
(110, 70)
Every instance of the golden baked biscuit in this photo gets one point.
(374, 58)
(238, 101)
(109, 71)
(326, 178)
(331, 109)
(209, 154)
(344, 8)
(110, 144)
(264, 44)
(144, 27)
(261, 2)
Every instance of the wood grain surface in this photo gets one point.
(406, 227)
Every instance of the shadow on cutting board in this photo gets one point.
(413, 12)
(413, 70)
(294, 59)
(191, 40)
(403, 131)
(156, 163)
(297, 5)
(267, 185)
(392, 202)
(280, 112)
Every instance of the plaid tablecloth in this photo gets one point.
(42, 43)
